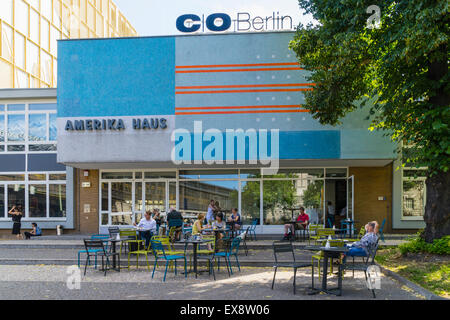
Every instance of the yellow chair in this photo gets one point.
(319, 255)
(145, 251)
(361, 233)
(313, 228)
(132, 238)
(323, 233)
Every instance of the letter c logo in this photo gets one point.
(181, 23)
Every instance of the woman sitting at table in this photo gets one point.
(219, 225)
(235, 218)
(360, 248)
(146, 228)
(198, 225)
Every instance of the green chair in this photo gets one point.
(319, 255)
(313, 228)
(323, 233)
(145, 252)
(129, 236)
(361, 233)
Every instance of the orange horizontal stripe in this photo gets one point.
(241, 91)
(238, 65)
(247, 86)
(240, 112)
(238, 107)
(237, 70)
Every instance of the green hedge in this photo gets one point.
(417, 244)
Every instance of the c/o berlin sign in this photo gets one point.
(244, 21)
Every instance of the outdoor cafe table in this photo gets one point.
(332, 252)
(113, 249)
(195, 244)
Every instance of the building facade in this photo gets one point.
(161, 122)
(30, 29)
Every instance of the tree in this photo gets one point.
(400, 66)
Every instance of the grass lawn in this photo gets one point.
(430, 271)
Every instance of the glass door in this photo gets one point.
(121, 203)
(155, 196)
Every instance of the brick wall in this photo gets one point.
(87, 199)
(371, 183)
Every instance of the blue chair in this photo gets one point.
(103, 237)
(381, 229)
(174, 223)
(159, 252)
(252, 229)
(231, 251)
(186, 230)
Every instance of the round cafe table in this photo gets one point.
(195, 244)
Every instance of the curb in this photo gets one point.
(424, 292)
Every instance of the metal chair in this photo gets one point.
(380, 231)
(243, 237)
(103, 237)
(96, 247)
(280, 247)
(232, 250)
(252, 230)
(207, 254)
(159, 252)
(368, 261)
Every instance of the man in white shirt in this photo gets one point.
(147, 227)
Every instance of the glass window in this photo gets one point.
(279, 199)
(196, 195)
(52, 129)
(160, 175)
(21, 79)
(16, 195)
(12, 177)
(105, 197)
(117, 175)
(19, 50)
(16, 148)
(7, 41)
(32, 58)
(34, 26)
(54, 36)
(155, 196)
(138, 204)
(16, 107)
(46, 8)
(121, 196)
(57, 13)
(2, 201)
(336, 173)
(16, 127)
(57, 176)
(57, 200)
(37, 127)
(250, 200)
(37, 200)
(45, 34)
(311, 197)
(2, 128)
(6, 11)
(42, 106)
(250, 174)
(21, 16)
(208, 174)
(413, 198)
(46, 67)
(37, 177)
(34, 3)
(42, 147)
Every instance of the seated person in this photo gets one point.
(219, 224)
(148, 226)
(236, 218)
(301, 223)
(198, 227)
(360, 248)
(175, 215)
(36, 232)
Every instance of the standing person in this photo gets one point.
(210, 212)
(36, 232)
(175, 215)
(330, 214)
(148, 226)
(17, 214)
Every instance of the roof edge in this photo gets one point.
(28, 93)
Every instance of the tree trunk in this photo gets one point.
(437, 209)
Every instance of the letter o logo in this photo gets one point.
(211, 22)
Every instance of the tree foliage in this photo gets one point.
(401, 67)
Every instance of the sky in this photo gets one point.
(156, 17)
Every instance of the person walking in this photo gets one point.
(17, 214)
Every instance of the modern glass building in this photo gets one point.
(177, 121)
(30, 29)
